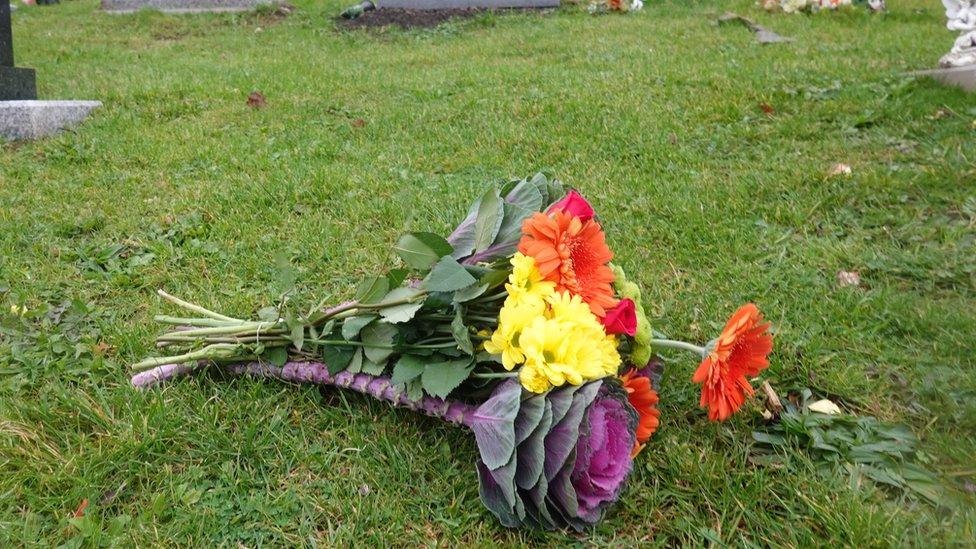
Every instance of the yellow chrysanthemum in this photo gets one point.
(526, 285)
(534, 379)
(505, 340)
(562, 351)
(571, 308)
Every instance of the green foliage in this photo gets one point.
(422, 250)
(447, 276)
(489, 220)
(440, 378)
(860, 447)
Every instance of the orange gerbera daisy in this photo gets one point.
(740, 352)
(644, 399)
(573, 254)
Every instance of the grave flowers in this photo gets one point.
(517, 326)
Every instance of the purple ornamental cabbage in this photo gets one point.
(548, 460)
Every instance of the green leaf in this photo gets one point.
(372, 368)
(277, 356)
(441, 378)
(297, 336)
(408, 368)
(510, 231)
(378, 340)
(766, 438)
(421, 250)
(447, 276)
(286, 273)
(353, 325)
(526, 195)
(396, 277)
(489, 220)
(404, 312)
(372, 289)
(337, 357)
(460, 333)
(415, 390)
(269, 314)
(495, 278)
(356, 364)
(471, 292)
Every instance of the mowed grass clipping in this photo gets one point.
(659, 118)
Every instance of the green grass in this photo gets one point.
(708, 201)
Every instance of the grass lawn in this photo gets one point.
(709, 202)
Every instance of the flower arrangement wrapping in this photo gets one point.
(517, 326)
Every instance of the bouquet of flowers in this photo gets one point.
(604, 6)
(516, 326)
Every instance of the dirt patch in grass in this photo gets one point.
(409, 19)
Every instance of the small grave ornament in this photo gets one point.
(962, 17)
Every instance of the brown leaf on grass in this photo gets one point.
(848, 278)
(80, 511)
(358, 123)
(101, 348)
(256, 100)
(767, 108)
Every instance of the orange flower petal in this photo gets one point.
(741, 352)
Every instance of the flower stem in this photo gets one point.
(684, 346)
(494, 375)
(215, 351)
(196, 308)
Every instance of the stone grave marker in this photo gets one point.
(14, 83)
(21, 115)
(959, 65)
(182, 6)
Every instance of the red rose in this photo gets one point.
(622, 319)
(573, 204)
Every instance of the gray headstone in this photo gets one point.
(33, 119)
(464, 4)
(181, 6)
(963, 77)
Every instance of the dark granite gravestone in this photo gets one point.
(14, 83)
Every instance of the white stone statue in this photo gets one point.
(962, 17)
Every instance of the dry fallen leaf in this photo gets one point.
(358, 123)
(825, 407)
(80, 511)
(101, 348)
(848, 278)
(256, 100)
(840, 169)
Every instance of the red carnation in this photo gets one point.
(573, 204)
(622, 319)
